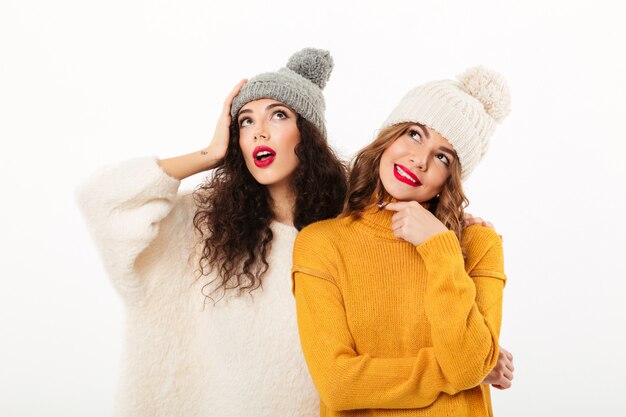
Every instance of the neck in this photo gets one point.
(283, 201)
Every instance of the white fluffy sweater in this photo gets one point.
(185, 356)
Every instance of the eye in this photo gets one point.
(415, 135)
(246, 121)
(280, 114)
(443, 158)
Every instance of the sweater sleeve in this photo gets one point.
(345, 378)
(464, 309)
(123, 205)
(485, 265)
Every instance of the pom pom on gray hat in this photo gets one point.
(313, 64)
(298, 85)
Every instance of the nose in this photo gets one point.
(420, 160)
(261, 133)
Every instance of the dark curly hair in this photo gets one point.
(234, 211)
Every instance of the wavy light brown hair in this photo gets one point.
(234, 211)
(365, 184)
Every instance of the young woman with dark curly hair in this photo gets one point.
(399, 303)
(211, 327)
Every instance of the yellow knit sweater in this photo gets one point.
(391, 329)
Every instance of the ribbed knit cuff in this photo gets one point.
(443, 245)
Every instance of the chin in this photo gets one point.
(402, 197)
(406, 195)
(268, 179)
(264, 180)
(261, 176)
(396, 192)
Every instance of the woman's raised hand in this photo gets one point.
(469, 220)
(207, 158)
(414, 223)
(219, 144)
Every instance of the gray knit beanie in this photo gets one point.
(299, 85)
(464, 111)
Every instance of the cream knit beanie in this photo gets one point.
(463, 111)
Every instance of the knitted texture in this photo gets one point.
(397, 329)
(299, 85)
(185, 355)
(464, 111)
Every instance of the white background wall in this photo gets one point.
(86, 83)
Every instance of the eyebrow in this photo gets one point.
(423, 127)
(269, 106)
(448, 150)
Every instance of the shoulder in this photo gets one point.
(478, 236)
(326, 235)
(322, 226)
(314, 240)
(321, 232)
(315, 250)
(483, 247)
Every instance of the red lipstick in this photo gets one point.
(401, 173)
(263, 156)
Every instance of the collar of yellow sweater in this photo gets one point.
(378, 221)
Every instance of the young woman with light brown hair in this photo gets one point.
(399, 304)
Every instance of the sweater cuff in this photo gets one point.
(153, 166)
(145, 173)
(442, 245)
